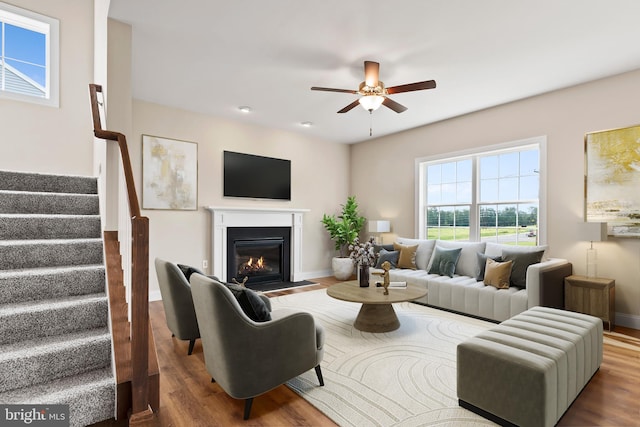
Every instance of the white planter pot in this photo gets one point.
(342, 268)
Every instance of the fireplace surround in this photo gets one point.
(225, 218)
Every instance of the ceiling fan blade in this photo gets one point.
(328, 89)
(390, 103)
(349, 107)
(429, 84)
(371, 73)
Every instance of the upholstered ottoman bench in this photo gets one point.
(528, 369)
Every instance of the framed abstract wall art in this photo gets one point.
(612, 180)
(169, 173)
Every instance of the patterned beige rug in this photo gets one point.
(402, 378)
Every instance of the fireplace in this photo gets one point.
(261, 254)
(225, 218)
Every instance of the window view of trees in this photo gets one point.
(491, 196)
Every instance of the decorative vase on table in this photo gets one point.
(364, 275)
(364, 256)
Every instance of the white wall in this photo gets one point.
(319, 169)
(564, 116)
(47, 139)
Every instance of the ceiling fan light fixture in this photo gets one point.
(371, 102)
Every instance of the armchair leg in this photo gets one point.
(247, 407)
(319, 374)
(191, 344)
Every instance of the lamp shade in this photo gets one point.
(594, 231)
(379, 226)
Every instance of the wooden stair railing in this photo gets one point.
(137, 373)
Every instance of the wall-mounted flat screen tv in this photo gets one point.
(256, 177)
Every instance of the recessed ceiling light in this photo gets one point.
(245, 109)
(306, 124)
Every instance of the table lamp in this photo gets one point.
(593, 232)
(379, 226)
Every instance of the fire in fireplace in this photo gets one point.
(262, 254)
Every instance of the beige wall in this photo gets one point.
(564, 117)
(48, 139)
(319, 172)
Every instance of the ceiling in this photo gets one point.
(214, 56)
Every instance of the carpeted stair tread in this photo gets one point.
(90, 395)
(45, 226)
(21, 181)
(48, 203)
(16, 254)
(46, 359)
(55, 343)
(50, 282)
(34, 319)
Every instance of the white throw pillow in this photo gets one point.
(495, 249)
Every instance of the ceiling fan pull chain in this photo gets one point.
(370, 122)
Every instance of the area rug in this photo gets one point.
(402, 378)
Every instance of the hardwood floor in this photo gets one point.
(188, 398)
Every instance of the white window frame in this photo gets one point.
(474, 211)
(51, 27)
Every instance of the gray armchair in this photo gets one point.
(249, 358)
(178, 302)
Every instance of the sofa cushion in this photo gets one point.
(385, 255)
(494, 249)
(424, 252)
(467, 264)
(497, 274)
(482, 263)
(407, 257)
(521, 261)
(443, 261)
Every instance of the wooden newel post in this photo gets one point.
(140, 310)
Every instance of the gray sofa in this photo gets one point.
(463, 293)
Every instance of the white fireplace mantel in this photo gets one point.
(223, 217)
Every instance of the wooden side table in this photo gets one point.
(591, 295)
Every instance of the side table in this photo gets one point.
(591, 295)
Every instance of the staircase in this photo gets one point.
(55, 345)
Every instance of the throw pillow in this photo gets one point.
(250, 302)
(407, 257)
(497, 274)
(482, 262)
(521, 261)
(444, 261)
(378, 248)
(385, 255)
(188, 271)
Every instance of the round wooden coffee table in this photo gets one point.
(377, 313)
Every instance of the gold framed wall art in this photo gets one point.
(169, 173)
(612, 180)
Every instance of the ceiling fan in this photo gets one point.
(373, 93)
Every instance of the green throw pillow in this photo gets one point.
(521, 261)
(444, 261)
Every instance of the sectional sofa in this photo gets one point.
(535, 280)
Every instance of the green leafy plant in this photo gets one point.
(344, 228)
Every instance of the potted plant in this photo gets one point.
(344, 230)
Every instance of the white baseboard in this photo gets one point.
(307, 275)
(155, 296)
(628, 320)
